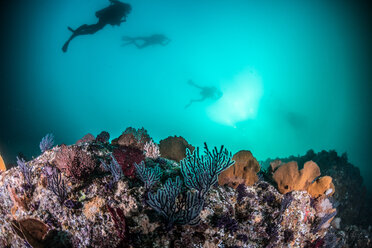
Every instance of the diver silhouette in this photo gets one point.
(114, 14)
(205, 92)
(145, 41)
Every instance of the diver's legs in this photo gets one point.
(196, 100)
(83, 30)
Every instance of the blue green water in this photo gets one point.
(294, 75)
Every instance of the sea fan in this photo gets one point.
(47, 142)
(27, 171)
(149, 176)
(201, 172)
(181, 211)
(114, 168)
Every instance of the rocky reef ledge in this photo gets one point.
(133, 192)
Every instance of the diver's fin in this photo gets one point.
(71, 29)
(64, 48)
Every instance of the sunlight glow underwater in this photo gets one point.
(240, 100)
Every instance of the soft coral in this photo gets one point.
(126, 157)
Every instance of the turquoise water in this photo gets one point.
(293, 74)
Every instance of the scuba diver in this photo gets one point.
(145, 41)
(114, 14)
(205, 92)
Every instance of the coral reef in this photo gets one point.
(166, 205)
(174, 148)
(244, 171)
(350, 196)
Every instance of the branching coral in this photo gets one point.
(47, 142)
(149, 176)
(176, 211)
(114, 168)
(151, 150)
(201, 172)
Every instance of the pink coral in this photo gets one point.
(151, 150)
(75, 162)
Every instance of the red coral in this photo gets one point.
(74, 162)
(119, 220)
(126, 157)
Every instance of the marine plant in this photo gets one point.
(175, 209)
(27, 171)
(114, 168)
(201, 172)
(149, 176)
(47, 142)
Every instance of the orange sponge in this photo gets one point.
(243, 171)
(2, 164)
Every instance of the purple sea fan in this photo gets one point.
(114, 168)
(27, 171)
(149, 176)
(56, 183)
(47, 142)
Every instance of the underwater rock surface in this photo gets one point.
(95, 204)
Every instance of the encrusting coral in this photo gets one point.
(244, 171)
(166, 205)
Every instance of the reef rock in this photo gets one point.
(244, 171)
(174, 148)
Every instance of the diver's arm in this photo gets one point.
(193, 84)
